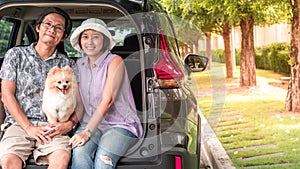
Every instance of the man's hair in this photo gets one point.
(49, 10)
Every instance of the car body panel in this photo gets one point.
(166, 106)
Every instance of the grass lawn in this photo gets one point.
(251, 123)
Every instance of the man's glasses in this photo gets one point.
(49, 25)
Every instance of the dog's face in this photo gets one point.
(60, 80)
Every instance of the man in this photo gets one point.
(23, 74)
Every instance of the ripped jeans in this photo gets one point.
(102, 150)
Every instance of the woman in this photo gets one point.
(109, 125)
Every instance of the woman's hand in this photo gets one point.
(79, 139)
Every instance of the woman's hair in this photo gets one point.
(46, 11)
(106, 42)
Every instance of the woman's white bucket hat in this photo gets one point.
(94, 24)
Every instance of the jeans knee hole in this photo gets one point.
(106, 160)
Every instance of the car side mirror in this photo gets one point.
(195, 63)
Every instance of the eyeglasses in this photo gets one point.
(49, 25)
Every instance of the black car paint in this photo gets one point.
(157, 148)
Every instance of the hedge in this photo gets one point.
(269, 57)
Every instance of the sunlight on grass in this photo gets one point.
(251, 117)
(269, 74)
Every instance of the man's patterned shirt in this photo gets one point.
(29, 71)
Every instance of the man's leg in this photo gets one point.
(11, 161)
(15, 148)
(59, 159)
(56, 154)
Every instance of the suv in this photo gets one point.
(160, 78)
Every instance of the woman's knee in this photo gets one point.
(78, 151)
(106, 160)
(79, 160)
(88, 148)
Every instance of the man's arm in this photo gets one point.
(8, 89)
(78, 109)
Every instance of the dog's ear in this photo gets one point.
(54, 70)
(67, 69)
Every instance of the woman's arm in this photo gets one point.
(114, 79)
(116, 70)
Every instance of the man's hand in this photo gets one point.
(60, 128)
(38, 133)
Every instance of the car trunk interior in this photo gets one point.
(128, 46)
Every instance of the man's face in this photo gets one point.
(51, 30)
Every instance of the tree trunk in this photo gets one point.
(183, 51)
(292, 102)
(247, 63)
(227, 49)
(196, 50)
(208, 49)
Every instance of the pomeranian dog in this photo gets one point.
(59, 97)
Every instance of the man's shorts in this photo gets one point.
(16, 141)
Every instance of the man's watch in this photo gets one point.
(74, 123)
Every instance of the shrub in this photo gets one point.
(217, 55)
(269, 57)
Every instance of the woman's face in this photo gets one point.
(92, 43)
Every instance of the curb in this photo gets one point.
(213, 154)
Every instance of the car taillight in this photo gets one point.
(178, 162)
(166, 69)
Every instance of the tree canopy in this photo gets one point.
(218, 16)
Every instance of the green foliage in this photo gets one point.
(181, 23)
(211, 15)
(238, 54)
(206, 15)
(273, 57)
(262, 59)
(269, 57)
(265, 12)
(218, 55)
(5, 28)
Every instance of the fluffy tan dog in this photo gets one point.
(59, 97)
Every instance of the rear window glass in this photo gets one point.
(6, 29)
